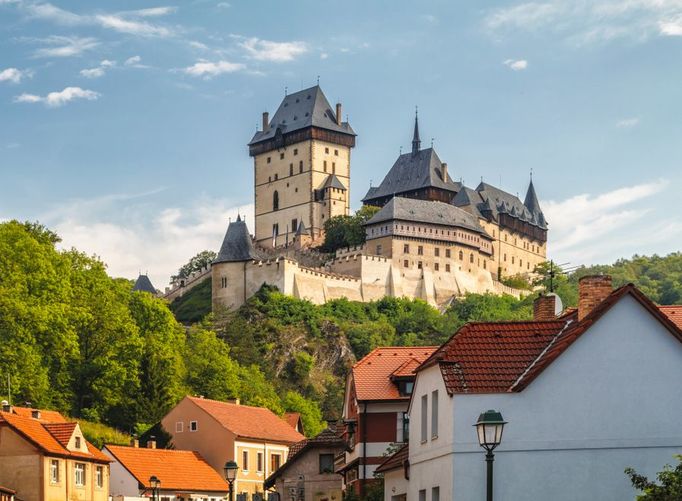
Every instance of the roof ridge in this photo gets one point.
(203, 399)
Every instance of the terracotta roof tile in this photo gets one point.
(372, 374)
(177, 470)
(37, 433)
(45, 415)
(674, 313)
(395, 460)
(292, 418)
(61, 431)
(245, 421)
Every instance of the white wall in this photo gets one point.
(610, 401)
(121, 482)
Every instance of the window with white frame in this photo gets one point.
(179, 426)
(245, 460)
(434, 414)
(99, 476)
(424, 417)
(78, 442)
(54, 471)
(259, 462)
(79, 474)
(193, 426)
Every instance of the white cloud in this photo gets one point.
(99, 71)
(134, 62)
(61, 46)
(14, 75)
(627, 123)
(588, 226)
(324, 55)
(197, 45)
(56, 99)
(583, 22)
(153, 11)
(129, 237)
(132, 27)
(208, 69)
(516, 64)
(266, 50)
(53, 13)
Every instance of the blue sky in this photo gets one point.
(123, 125)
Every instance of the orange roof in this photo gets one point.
(245, 421)
(45, 416)
(674, 313)
(177, 470)
(372, 374)
(292, 418)
(39, 435)
(61, 431)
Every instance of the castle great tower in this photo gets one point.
(301, 161)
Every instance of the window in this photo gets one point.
(379, 249)
(300, 166)
(405, 388)
(259, 463)
(179, 425)
(294, 225)
(291, 169)
(54, 471)
(281, 156)
(79, 472)
(485, 265)
(406, 427)
(505, 258)
(471, 258)
(513, 259)
(419, 265)
(99, 476)
(436, 251)
(333, 167)
(436, 266)
(275, 200)
(461, 256)
(336, 152)
(275, 461)
(447, 252)
(326, 150)
(425, 410)
(324, 164)
(326, 463)
(269, 159)
(406, 263)
(422, 495)
(295, 151)
(406, 248)
(447, 268)
(434, 414)
(193, 426)
(276, 176)
(78, 442)
(435, 493)
(245, 460)
(420, 250)
(223, 284)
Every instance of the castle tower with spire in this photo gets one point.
(301, 161)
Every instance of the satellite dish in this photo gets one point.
(558, 305)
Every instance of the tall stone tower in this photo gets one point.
(301, 162)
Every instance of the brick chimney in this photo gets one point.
(544, 307)
(134, 443)
(338, 113)
(592, 290)
(266, 121)
(151, 443)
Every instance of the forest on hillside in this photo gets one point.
(76, 340)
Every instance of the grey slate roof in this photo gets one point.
(413, 171)
(302, 230)
(531, 201)
(144, 284)
(333, 182)
(501, 202)
(237, 244)
(426, 211)
(305, 108)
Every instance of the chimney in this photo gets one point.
(266, 121)
(544, 308)
(151, 443)
(592, 290)
(444, 171)
(35, 413)
(338, 113)
(234, 401)
(134, 443)
(6, 407)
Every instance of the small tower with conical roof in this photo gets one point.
(416, 141)
(143, 284)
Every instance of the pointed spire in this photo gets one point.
(416, 142)
(531, 201)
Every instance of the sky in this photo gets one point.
(123, 125)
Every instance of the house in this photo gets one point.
(255, 437)
(183, 475)
(44, 457)
(397, 467)
(377, 396)
(308, 474)
(295, 421)
(585, 394)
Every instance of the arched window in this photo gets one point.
(275, 200)
(461, 256)
(471, 258)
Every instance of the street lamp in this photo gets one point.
(154, 482)
(489, 429)
(230, 470)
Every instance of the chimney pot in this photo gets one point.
(134, 443)
(338, 113)
(266, 121)
(444, 171)
(544, 308)
(151, 443)
(592, 290)
(234, 401)
(6, 407)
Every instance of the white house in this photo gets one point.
(585, 395)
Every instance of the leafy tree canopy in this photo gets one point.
(347, 231)
(197, 263)
(668, 487)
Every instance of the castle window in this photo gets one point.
(291, 169)
(505, 258)
(275, 230)
(447, 268)
(333, 167)
(326, 150)
(406, 248)
(296, 190)
(485, 264)
(461, 256)
(300, 167)
(406, 263)
(379, 249)
(294, 224)
(281, 156)
(419, 265)
(436, 251)
(324, 163)
(527, 265)
(336, 152)
(420, 250)
(520, 263)
(275, 200)
(447, 252)
(276, 177)
(513, 259)
(269, 179)
(471, 258)
(223, 284)
(436, 266)
(269, 159)
(295, 151)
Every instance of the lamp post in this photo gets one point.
(489, 429)
(230, 470)
(154, 482)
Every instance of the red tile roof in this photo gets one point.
(294, 419)
(498, 357)
(38, 434)
(61, 431)
(674, 313)
(245, 421)
(395, 460)
(177, 470)
(372, 374)
(45, 416)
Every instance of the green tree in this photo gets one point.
(197, 263)
(668, 488)
(311, 415)
(347, 231)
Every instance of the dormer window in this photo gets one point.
(405, 388)
(78, 442)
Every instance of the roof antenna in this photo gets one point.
(286, 90)
(401, 150)
(431, 143)
(318, 79)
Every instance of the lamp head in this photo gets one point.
(230, 470)
(489, 429)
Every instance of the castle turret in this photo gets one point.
(143, 284)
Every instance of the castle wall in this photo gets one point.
(514, 254)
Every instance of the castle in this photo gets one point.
(433, 238)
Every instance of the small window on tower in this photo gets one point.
(300, 166)
(447, 252)
(295, 151)
(269, 160)
(406, 248)
(436, 266)
(324, 165)
(294, 225)
(436, 251)
(406, 263)
(276, 177)
(326, 150)
(336, 152)
(281, 156)
(291, 169)
(419, 265)
(447, 268)
(333, 167)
